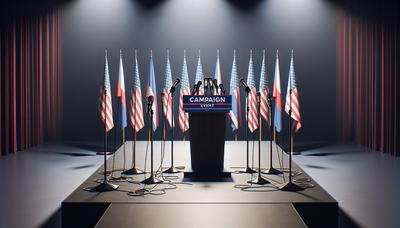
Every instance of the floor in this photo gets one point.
(365, 183)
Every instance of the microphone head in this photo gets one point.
(242, 80)
(150, 99)
(177, 80)
(199, 83)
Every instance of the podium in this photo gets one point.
(207, 124)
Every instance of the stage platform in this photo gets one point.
(314, 206)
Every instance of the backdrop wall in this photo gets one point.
(91, 26)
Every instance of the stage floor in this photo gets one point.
(314, 205)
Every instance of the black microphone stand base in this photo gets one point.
(290, 187)
(259, 180)
(132, 171)
(102, 153)
(272, 171)
(104, 187)
(172, 170)
(296, 153)
(151, 180)
(248, 170)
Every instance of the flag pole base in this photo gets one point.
(272, 171)
(104, 187)
(296, 153)
(259, 180)
(172, 170)
(151, 180)
(132, 171)
(102, 153)
(290, 187)
(248, 170)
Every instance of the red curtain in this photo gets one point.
(367, 56)
(31, 81)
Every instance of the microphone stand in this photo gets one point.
(152, 179)
(259, 179)
(247, 169)
(271, 169)
(105, 186)
(172, 169)
(290, 186)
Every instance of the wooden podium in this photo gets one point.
(207, 124)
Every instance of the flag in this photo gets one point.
(217, 74)
(234, 90)
(105, 106)
(136, 113)
(152, 91)
(292, 101)
(264, 91)
(167, 99)
(185, 90)
(121, 120)
(252, 100)
(277, 96)
(199, 75)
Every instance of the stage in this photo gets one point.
(219, 201)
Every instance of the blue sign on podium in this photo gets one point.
(207, 103)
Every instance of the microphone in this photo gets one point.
(150, 101)
(205, 86)
(245, 85)
(258, 97)
(269, 100)
(195, 89)
(172, 89)
(222, 89)
(214, 81)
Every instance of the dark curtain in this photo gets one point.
(31, 81)
(367, 69)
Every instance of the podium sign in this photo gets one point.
(216, 103)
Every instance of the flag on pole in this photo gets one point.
(121, 120)
(292, 100)
(252, 100)
(185, 90)
(105, 106)
(264, 91)
(136, 113)
(234, 90)
(167, 99)
(152, 91)
(217, 74)
(199, 75)
(277, 96)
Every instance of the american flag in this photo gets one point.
(136, 113)
(292, 102)
(252, 100)
(185, 90)
(234, 90)
(121, 120)
(264, 90)
(167, 99)
(217, 74)
(277, 96)
(105, 106)
(199, 75)
(152, 91)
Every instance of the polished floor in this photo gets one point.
(364, 183)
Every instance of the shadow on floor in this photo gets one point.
(54, 221)
(345, 221)
(93, 146)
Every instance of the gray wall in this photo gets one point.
(91, 26)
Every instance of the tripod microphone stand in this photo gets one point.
(271, 169)
(172, 169)
(247, 169)
(152, 179)
(259, 179)
(105, 186)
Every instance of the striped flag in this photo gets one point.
(217, 74)
(136, 113)
(200, 75)
(152, 91)
(292, 101)
(277, 96)
(167, 99)
(252, 100)
(234, 90)
(264, 90)
(185, 90)
(105, 106)
(121, 120)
